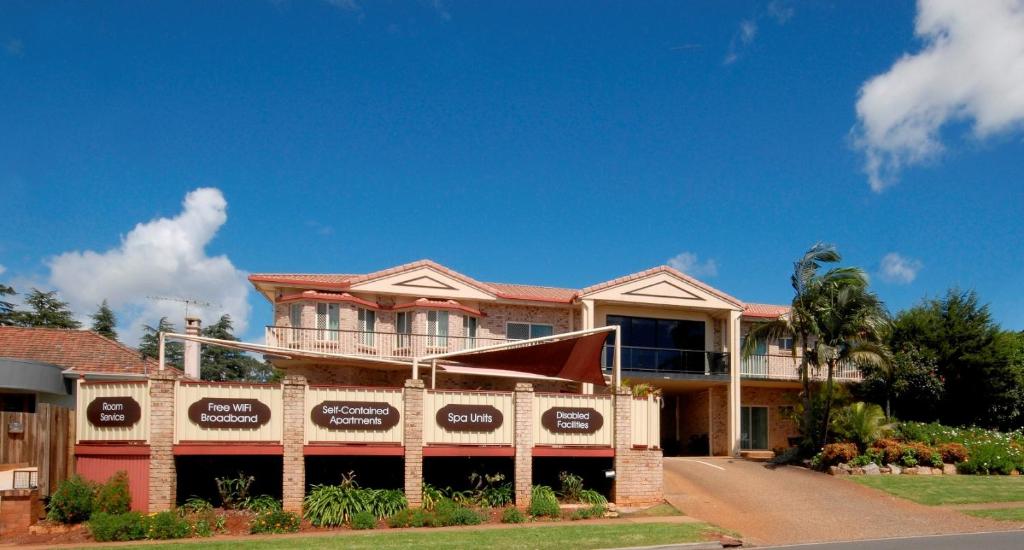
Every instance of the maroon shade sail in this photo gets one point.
(577, 359)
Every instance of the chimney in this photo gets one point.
(192, 348)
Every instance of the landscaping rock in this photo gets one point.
(857, 471)
(937, 471)
(895, 469)
(884, 470)
(924, 470)
(871, 470)
(837, 471)
(949, 469)
(910, 471)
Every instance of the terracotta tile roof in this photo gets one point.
(661, 269)
(81, 350)
(765, 311)
(340, 280)
(534, 293)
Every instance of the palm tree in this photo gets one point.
(835, 319)
(862, 423)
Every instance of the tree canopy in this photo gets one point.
(104, 322)
(219, 363)
(149, 344)
(7, 312)
(46, 310)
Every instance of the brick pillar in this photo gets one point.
(638, 472)
(623, 436)
(413, 429)
(163, 478)
(524, 444)
(294, 475)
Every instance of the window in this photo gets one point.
(295, 320)
(437, 329)
(327, 321)
(643, 332)
(469, 325)
(367, 326)
(403, 327)
(754, 428)
(785, 344)
(523, 331)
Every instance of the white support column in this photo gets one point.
(587, 323)
(617, 372)
(735, 399)
(161, 353)
(415, 368)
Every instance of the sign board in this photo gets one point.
(15, 427)
(113, 412)
(229, 412)
(355, 415)
(571, 420)
(469, 418)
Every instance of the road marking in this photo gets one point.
(702, 462)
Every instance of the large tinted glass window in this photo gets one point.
(659, 333)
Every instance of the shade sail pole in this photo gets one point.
(415, 368)
(433, 375)
(618, 356)
(161, 352)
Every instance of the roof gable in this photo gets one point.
(662, 285)
(423, 278)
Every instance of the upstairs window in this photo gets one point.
(785, 344)
(367, 325)
(469, 326)
(327, 321)
(437, 328)
(403, 328)
(524, 331)
(295, 315)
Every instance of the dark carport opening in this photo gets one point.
(456, 472)
(369, 472)
(197, 475)
(546, 471)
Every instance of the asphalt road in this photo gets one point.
(1007, 540)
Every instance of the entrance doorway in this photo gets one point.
(754, 428)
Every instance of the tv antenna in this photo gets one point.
(187, 301)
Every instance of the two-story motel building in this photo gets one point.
(415, 368)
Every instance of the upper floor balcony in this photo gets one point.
(379, 344)
(668, 361)
(787, 367)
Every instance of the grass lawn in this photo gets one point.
(577, 537)
(659, 510)
(935, 490)
(1001, 514)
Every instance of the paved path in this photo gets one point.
(789, 505)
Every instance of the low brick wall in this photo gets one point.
(19, 509)
(639, 478)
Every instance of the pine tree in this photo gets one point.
(47, 311)
(104, 322)
(219, 363)
(8, 315)
(149, 344)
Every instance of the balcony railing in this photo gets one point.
(391, 345)
(787, 367)
(668, 360)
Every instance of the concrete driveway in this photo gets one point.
(787, 505)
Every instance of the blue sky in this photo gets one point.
(535, 142)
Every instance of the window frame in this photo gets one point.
(323, 321)
(746, 412)
(529, 330)
(435, 337)
(366, 326)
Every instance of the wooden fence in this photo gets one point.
(47, 441)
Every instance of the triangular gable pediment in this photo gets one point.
(661, 289)
(425, 282)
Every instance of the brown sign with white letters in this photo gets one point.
(571, 420)
(355, 415)
(113, 412)
(229, 412)
(469, 418)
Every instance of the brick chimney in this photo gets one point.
(192, 325)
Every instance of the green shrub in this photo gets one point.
(860, 461)
(386, 502)
(590, 496)
(409, 518)
(991, 458)
(260, 504)
(909, 459)
(364, 520)
(838, 453)
(233, 491)
(595, 511)
(106, 527)
(167, 525)
(512, 515)
(194, 505)
(572, 484)
(543, 502)
(72, 502)
(275, 522)
(333, 505)
(448, 512)
(488, 490)
(431, 495)
(113, 496)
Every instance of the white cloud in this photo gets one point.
(899, 269)
(743, 38)
(971, 68)
(2, 269)
(780, 11)
(162, 257)
(689, 263)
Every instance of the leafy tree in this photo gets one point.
(909, 385)
(47, 310)
(836, 319)
(104, 322)
(220, 363)
(149, 344)
(8, 315)
(982, 369)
